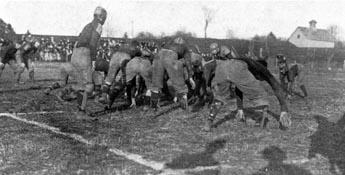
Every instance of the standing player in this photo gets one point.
(81, 66)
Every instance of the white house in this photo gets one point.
(312, 37)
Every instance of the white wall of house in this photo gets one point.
(299, 40)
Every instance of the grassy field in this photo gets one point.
(174, 138)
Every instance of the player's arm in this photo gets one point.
(239, 99)
(291, 78)
(279, 91)
(123, 70)
(188, 64)
(94, 40)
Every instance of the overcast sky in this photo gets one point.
(244, 17)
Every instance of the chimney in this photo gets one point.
(312, 25)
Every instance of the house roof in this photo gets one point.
(318, 34)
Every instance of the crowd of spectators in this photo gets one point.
(51, 51)
(62, 50)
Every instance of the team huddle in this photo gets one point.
(173, 70)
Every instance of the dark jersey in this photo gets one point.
(131, 50)
(182, 52)
(90, 36)
(261, 73)
(290, 74)
(8, 53)
(26, 52)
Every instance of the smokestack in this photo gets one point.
(312, 25)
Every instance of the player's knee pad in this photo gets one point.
(89, 87)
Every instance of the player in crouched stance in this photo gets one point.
(235, 72)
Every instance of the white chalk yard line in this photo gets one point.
(39, 112)
(134, 157)
(158, 166)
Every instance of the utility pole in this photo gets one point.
(132, 32)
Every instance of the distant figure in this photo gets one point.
(275, 157)
(291, 76)
(19, 57)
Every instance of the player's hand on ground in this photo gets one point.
(284, 120)
(133, 103)
(240, 115)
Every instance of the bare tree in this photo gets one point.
(184, 34)
(145, 35)
(209, 15)
(125, 35)
(230, 34)
(333, 30)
